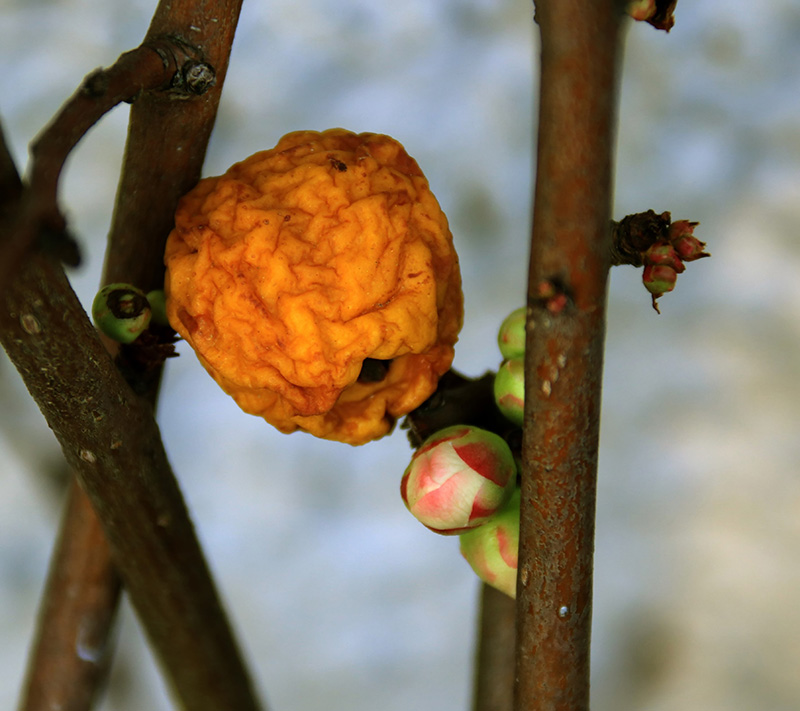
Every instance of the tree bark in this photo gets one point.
(567, 287)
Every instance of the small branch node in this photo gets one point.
(191, 75)
(198, 77)
(552, 294)
(95, 84)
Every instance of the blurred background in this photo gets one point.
(341, 599)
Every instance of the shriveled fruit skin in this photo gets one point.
(288, 271)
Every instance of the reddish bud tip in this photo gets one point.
(690, 248)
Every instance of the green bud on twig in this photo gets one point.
(122, 312)
(509, 389)
(511, 338)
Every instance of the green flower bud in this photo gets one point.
(121, 312)
(492, 549)
(509, 389)
(511, 337)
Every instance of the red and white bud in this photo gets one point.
(492, 549)
(679, 228)
(509, 389)
(458, 479)
(511, 337)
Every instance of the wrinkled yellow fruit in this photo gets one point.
(303, 261)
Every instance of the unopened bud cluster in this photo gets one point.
(665, 258)
(463, 479)
(509, 383)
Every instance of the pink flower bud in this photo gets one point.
(659, 279)
(663, 254)
(509, 389)
(511, 337)
(679, 228)
(491, 549)
(690, 248)
(458, 479)
(687, 246)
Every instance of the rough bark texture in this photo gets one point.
(110, 439)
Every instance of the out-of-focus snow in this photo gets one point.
(341, 599)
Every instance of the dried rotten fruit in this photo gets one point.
(297, 270)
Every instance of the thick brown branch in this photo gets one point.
(110, 439)
(564, 351)
(70, 651)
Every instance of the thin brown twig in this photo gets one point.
(564, 351)
(71, 650)
(494, 661)
(167, 144)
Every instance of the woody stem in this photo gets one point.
(564, 351)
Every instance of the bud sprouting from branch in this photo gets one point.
(121, 312)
